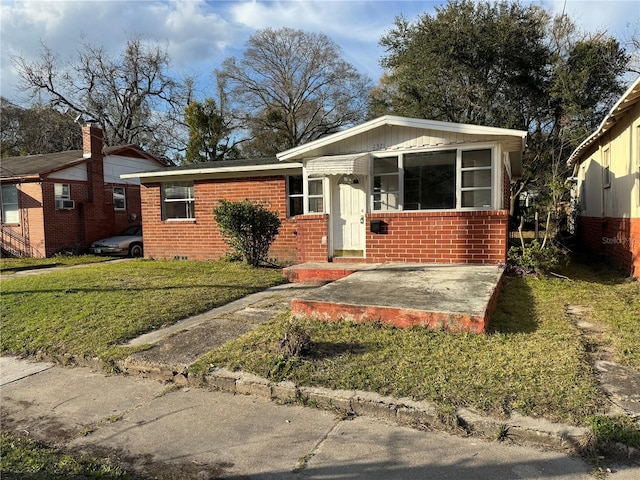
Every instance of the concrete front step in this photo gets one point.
(324, 272)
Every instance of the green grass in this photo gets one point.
(89, 311)
(25, 459)
(533, 361)
(10, 265)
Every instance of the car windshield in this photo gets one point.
(135, 230)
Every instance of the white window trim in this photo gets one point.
(308, 196)
(606, 167)
(495, 177)
(163, 200)
(62, 197)
(399, 174)
(17, 204)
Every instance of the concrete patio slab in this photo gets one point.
(451, 297)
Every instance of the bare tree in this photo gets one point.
(291, 87)
(131, 96)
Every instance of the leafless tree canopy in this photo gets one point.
(291, 87)
(131, 96)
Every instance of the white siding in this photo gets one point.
(75, 173)
(622, 198)
(115, 165)
(389, 138)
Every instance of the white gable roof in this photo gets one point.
(309, 149)
(628, 99)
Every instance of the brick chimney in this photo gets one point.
(94, 209)
(92, 140)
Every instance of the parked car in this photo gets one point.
(128, 242)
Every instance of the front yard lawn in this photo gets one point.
(533, 361)
(89, 311)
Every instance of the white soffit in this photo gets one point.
(350, 164)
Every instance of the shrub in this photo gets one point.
(248, 227)
(532, 258)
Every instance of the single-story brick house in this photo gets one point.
(390, 189)
(69, 199)
(607, 170)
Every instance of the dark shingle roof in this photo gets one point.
(245, 162)
(30, 165)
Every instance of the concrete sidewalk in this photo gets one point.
(166, 432)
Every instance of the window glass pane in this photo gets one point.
(476, 158)
(9, 194)
(385, 165)
(61, 190)
(295, 185)
(296, 206)
(430, 180)
(315, 187)
(316, 205)
(385, 201)
(10, 213)
(119, 202)
(178, 209)
(476, 178)
(386, 183)
(178, 192)
(477, 198)
(178, 201)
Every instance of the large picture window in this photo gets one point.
(178, 202)
(10, 211)
(441, 180)
(430, 180)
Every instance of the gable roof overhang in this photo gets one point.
(131, 150)
(32, 166)
(628, 100)
(220, 170)
(308, 150)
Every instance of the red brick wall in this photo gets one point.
(439, 237)
(200, 238)
(617, 239)
(313, 237)
(63, 228)
(88, 221)
(31, 224)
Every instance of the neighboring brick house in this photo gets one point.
(56, 201)
(391, 189)
(607, 169)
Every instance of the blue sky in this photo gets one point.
(199, 34)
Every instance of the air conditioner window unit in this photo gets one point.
(62, 204)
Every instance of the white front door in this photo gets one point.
(349, 227)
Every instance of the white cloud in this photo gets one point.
(199, 34)
(193, 33)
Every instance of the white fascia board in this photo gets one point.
(213, 170)
(401, 122)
